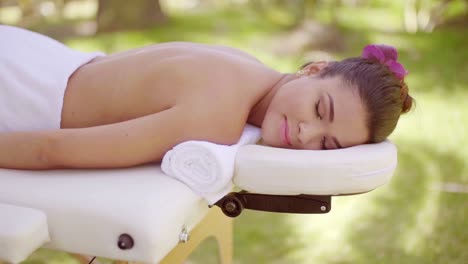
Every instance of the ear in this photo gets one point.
(315, 67)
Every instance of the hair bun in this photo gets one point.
(406, 99)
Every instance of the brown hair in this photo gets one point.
(384, 95)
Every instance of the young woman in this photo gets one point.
(61, 108)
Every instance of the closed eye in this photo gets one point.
(322, 144)
(317, 112)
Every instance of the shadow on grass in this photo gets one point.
(259, 237)
(413, 222)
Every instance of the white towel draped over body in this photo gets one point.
(205, 167)
(34, 72)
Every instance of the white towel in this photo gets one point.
(34, 72)
(205, 167)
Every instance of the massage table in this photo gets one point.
(141, 215)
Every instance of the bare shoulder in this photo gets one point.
(227, 50)
(235, 51)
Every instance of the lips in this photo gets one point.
(285, 132)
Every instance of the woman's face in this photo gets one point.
(315, 113)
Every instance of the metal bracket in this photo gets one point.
(233, 203)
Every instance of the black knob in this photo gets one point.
(232, 206)
(125, 242)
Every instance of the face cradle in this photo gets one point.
(315, 113)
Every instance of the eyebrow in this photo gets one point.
(332, 108)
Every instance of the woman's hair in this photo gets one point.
(379, 79)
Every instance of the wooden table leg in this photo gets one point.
(214, 224)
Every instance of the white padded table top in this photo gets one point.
(87, 210)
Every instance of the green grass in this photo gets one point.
(411, 219)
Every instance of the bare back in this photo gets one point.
(148, 80)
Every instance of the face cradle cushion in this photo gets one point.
(358, 169)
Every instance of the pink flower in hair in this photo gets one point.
(387, 55)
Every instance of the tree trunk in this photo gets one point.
(116, 15)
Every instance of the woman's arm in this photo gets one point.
(124, 144)
(24, 150)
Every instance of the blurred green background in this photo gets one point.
(421, 216)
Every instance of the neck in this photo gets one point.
(258, 111)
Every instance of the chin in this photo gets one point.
(269, 137)
(270, 144)
(269, 140)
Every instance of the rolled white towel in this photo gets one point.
(205, 167)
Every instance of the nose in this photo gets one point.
(309, 132)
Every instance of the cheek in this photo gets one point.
(267, 123)
(270, 128)
(287, 94)
(303, 109)
(288, 105)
